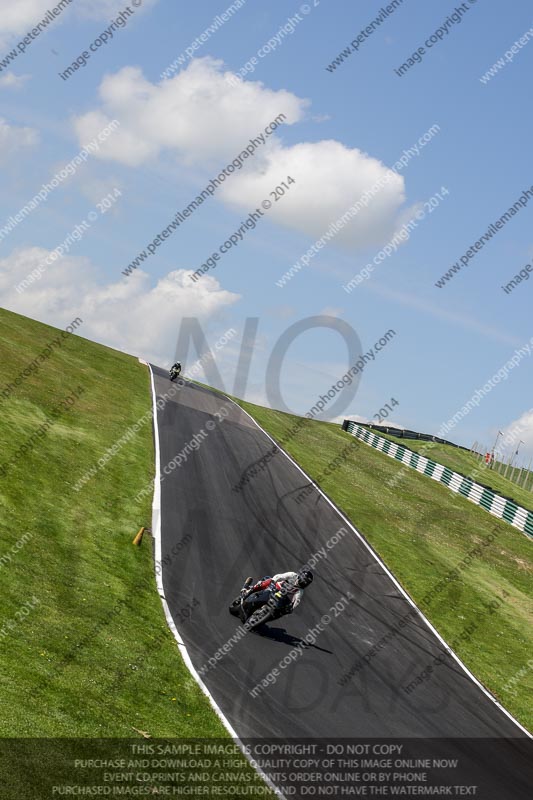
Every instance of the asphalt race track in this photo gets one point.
(227, 535)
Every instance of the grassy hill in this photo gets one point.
(467, 463)
(422, 531)
(85, 649)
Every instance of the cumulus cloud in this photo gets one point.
(14, 138)
(131, 315)
(17, 18)
(204, 119)
(198, 115)
(20, 16)
(519, 429)
(329, 179)
(12, 81)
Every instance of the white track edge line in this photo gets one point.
(156, 534)
(391, 576)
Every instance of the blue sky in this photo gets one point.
(345, 129)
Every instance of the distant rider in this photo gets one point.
(175, 368)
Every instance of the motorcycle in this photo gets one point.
(258, 608)
(174, 373)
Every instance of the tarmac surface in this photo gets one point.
(213, 536)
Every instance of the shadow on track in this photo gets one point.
(281, 635)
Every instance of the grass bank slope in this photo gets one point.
(466, 463)
(84, 646)
(423, 531)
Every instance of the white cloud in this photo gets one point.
(519, 429)
(12, 81)
(331, 311)
(14, 138)
(329, 179)
(96, 187)
(131, 315)
(20, 16)
(205, 119)
(17, 18)
(198, 114)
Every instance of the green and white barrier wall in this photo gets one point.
(495, 504)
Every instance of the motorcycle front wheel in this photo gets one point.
(235, 607)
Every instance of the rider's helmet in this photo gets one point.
(304, 577)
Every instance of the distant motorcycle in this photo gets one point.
(174, 373)
(258, 608)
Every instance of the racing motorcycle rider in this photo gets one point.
(176, 368)
(291, 584)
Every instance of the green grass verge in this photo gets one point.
(93, 656)
(466, 463)
(85, 647)
(85, 650)
(422, 531)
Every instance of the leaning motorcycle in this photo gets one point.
(258, 608)
(174, 373)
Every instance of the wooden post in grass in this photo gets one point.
(138, 539)
(527, 473)
(507, 467)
